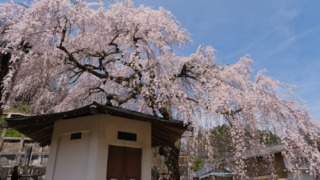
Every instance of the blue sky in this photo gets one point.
(282, 36)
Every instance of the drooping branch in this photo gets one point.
(4, 68)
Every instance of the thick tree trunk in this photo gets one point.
(171, 154)
(171, 160)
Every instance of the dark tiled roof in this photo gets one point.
(40, 127)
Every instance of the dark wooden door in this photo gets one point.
(124, 163)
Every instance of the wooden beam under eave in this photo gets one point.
(44, 139)
(165, 134)
(44, 132)
(39, 130)
(177, 130)
(157, 141)
(169, 133)
(35, 132)
(165, 137)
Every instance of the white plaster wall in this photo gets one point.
(72, 157)
(102, 131)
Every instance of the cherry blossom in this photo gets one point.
(66, 54)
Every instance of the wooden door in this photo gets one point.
(124, 163)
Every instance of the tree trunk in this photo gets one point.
(171, 160)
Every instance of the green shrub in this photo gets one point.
(197, 164)
(12, 133)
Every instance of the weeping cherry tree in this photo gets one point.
(79, 52)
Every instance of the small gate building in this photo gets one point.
(98, 142)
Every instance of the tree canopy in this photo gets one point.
(66, 54)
